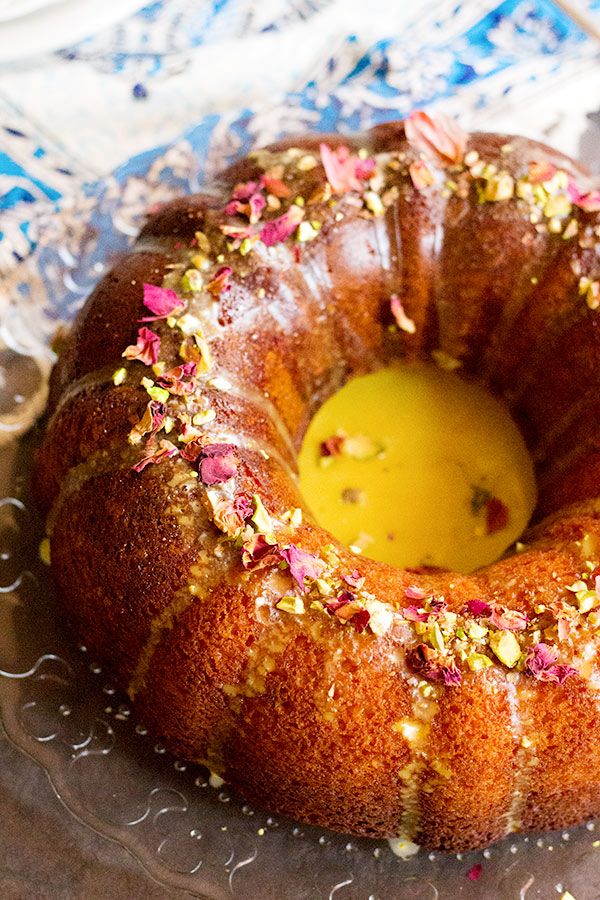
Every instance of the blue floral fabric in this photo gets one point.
(468, 54)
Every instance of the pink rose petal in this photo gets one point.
(345, 171)
(277, 230)
(540, 662)
(217, 463)
(479, 608)
(302, 565)
(160, 301)
(180, 380)
(220, 281)
(474, 873)
(146, 349)
(257, 553)
(508, 619)
(437, 137)
(165, 450)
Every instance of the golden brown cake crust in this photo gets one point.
(445, 709)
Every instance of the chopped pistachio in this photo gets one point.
(478, 661)
(119, 376)
(435, 637)
(203, 417)
(374, 203)
(307, 231)
(499, 187)
(189, 324)
(161, 395)
(202, 241)
(477, 632)
(306, 163)
(191, 281)
(587, 600)
(291, 604)
(324, 587)
(261, 517)
(506, 647)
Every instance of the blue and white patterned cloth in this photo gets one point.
(162, 100)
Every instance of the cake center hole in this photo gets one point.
(414, 466)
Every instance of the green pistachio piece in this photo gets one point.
(478, 661)
(261, 517)
(506, 647)
(477, 632)
(291, 604)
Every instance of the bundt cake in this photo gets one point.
(444, 709)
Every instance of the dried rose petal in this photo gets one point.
(332, 446)
(191, 451)
(257, 553)
(478, 608)
(558, 673)
(244, 190)
(474, 873)
(354, 579)
(508, 619)
(426, 662)
(496, 515)
(165, 450)
(220, 281)
(342, 599)
(302, 565)
(440, 138)
(146, 349)
(160, 301)
(275, 186)
(217, 463)
(237, 232)
(277, 230)
(347, 609)
(540, 662)
(589, 202)
(180, 380)
(437, 606)
(361, 619)
(151, 421)
(252, 208)
(365, 168)
(403, 322)
(415, 614)
(564, 627)
(345, 171)
(227, 518)
(256, 204)
(414, 593)
(243, 506)
(541, 171)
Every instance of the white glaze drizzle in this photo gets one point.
(416, 732)
(522, 756)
